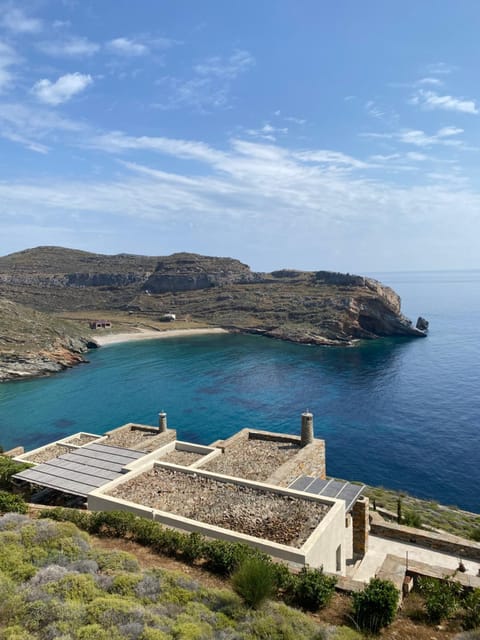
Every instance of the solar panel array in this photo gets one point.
(329, 488)
(82, 470)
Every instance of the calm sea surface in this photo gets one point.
(403, 413)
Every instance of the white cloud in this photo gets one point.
(117, 142)
(445, 132)
(251, 190)
(430, 100)
(63, 89)
(230, 67)
(32, 127)
(32, 145)
(15, 20)
(419, 138)
(267, 132)
(385, 157)
(127, 47)
(323, 156)
(374, 110)
(8, 58)
(210, 86)
(415, 156)
(440, 68)
(295, 120)
(431, 81)
(71, 47)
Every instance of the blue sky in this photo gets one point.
(286, 133)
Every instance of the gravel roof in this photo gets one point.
(241, 458)
(254, 511)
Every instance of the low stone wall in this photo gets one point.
(442, 542)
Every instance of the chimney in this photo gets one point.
(162, 422)
(307, 429)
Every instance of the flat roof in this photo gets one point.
(330, 488)
(82, 470)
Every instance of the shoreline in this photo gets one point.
(152, 334)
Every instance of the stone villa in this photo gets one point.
(265, 489)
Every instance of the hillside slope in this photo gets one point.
(34, 343)
(315, 307)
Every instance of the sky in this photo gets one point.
(285, 133)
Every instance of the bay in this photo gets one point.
(402, 413)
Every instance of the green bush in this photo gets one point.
(224, 557)
(412, 519)
(8, 468)
(193, 547)
(471, 608)
(254, 581)
(12, 503)
(376, 606)
(311, 589)
(441, 598)
(475, 534)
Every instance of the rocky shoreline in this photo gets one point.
(43, 363)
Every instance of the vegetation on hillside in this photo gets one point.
(426, 513)
(54, 584)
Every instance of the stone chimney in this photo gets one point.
(307, 429)
(361, 526)
(162, 422)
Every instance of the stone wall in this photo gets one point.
(442, 542)
(308, 461)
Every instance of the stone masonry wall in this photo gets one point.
(308, 461)
(444, 542)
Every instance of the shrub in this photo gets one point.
(412, 519)
(254, 581)
(375, 607)
(8, 468)
(11, 503)
(224, 557)
(475, 534)
(311, 589)
(441, 598)
(471, 606)
(193, 547)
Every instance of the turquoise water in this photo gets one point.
(403, 413)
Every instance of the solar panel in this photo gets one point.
(330, 488)
(317, 486)
(301, 483)
(81, 470)
(333, 488)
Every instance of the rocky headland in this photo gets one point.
(320, 307)
(33, 343)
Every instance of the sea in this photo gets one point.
(403, 413)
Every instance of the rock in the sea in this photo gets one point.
(422, 324)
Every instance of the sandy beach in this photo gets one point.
(145, 334)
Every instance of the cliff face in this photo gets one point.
(189, 272)
(316, 307)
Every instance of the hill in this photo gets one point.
(316, 307)
(35, 343)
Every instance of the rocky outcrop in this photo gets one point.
(35, 344)
(189, 272)
(33, 365)
(422, 324)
